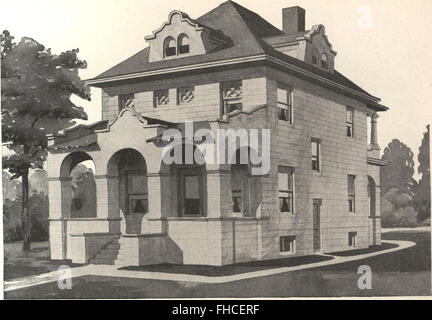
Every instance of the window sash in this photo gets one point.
(352, 237)
(185, 95)
(287, 244)
(232, 96)
(160, 98)
(350, 122)
(315, 155)
(126, 101)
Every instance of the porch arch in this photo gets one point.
(128, 188)
(78, 186)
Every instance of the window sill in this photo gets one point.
(317, 173)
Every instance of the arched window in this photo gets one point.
(183, 44)
(170, 48)
(315, 57)
(324, 63)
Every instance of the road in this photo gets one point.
(406, 272)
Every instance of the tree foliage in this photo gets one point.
(400, 169)
(422, 196)
(36, 90)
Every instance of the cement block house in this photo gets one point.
(228, 69)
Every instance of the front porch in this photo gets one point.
(144, 211)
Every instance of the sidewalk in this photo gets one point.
(112, 271)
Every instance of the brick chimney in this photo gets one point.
(293, 19)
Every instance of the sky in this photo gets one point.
(383, 46)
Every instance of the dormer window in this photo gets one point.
(183, 44)
(170, 48)
(324, 63)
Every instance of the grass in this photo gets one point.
(216, 271)
(18, 263)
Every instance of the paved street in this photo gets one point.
(404, 272)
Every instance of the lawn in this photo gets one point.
(18, 263)
(227, 270)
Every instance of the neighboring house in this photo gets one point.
(227, 69)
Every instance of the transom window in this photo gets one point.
(185, 95)
(285, 184)
(351, 193)
(125, 101)
(183, 44)
(287, 244)
(231, 96)
(170, 48)
(315, 151)
(160, 98)
(324, 63)
(350, 122)
(284, 103)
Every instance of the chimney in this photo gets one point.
(293, 19)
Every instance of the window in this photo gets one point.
(137, 195)
(324, 63)
(160, 98)
(287, 244)
(170, 48)
(315, 56)
(284, 104)
(125, 101)
(352, 239)
(183, 44)
(285, 186)
(315, 151)
(351, 193)
(239, 185)
(231, 96)
(185, 95)
(350, 122)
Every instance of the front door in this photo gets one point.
(317, 225)
(136, 198)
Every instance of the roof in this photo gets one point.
(247, 31)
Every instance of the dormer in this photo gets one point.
(180, 36)
(311, 46)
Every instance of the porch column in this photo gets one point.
(107, 201)
(374, 137)
(60, 200)
(219, 201)
(159, 202)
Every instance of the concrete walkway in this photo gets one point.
(112, 271)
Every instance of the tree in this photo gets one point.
(422, 195)
(36, 90)
(400, 169)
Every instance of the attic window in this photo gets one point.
(183, 44)
(170, 48)
(324, 63)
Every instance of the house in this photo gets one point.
(228, 69)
